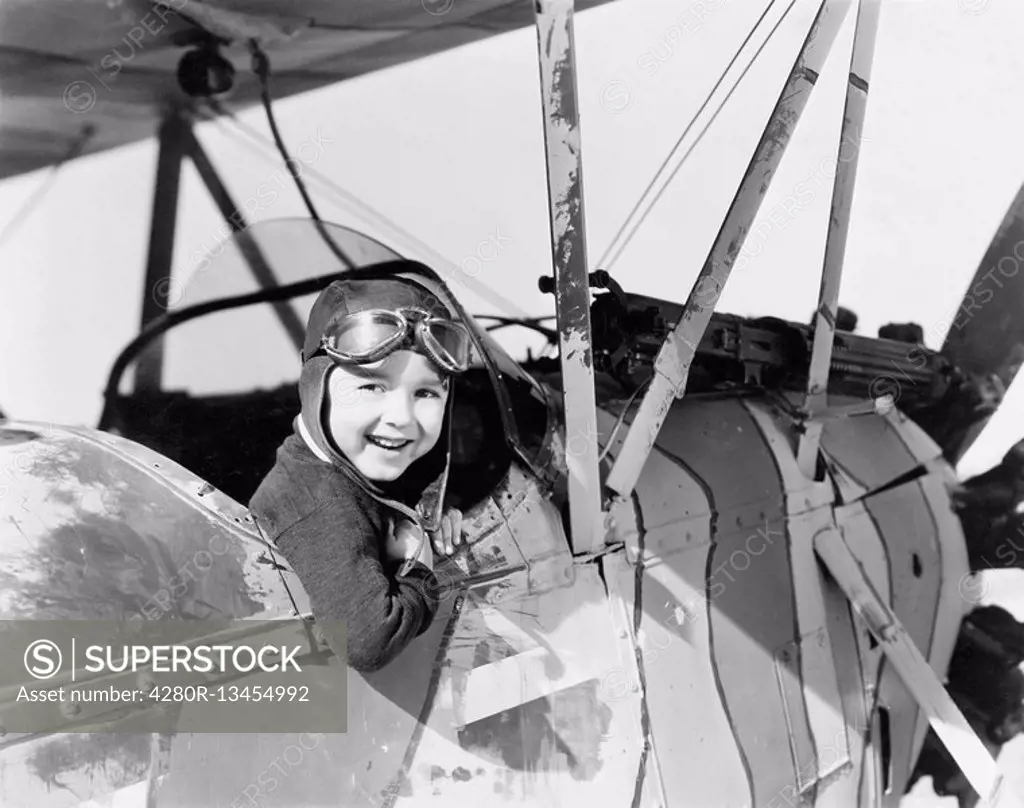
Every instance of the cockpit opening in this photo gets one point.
(229, 436)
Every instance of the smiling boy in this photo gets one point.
(361, 480)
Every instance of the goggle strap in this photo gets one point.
(422, 332)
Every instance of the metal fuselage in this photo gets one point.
(724, 671)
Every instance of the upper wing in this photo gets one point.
(111, 64)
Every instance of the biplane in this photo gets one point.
(711, 561)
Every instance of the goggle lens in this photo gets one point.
(450, 342)
(362, 336)
(369, 336)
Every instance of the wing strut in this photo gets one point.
(672, 365)
(945, 717)
(559, 97)
(816, 402)
(177, 141)
(149, 370)
(233, 215)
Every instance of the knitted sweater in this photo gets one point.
(332, 533)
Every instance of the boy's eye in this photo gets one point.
(428, 393)
(372, 387)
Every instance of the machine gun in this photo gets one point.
(768, 352)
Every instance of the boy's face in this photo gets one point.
(385, 415)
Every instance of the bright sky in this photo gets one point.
(451, 149)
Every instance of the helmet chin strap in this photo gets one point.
(309, 440)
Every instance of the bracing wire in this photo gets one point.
(620, 419)
(615, 248)
(675, 148)
(377, 219)
(261, 67)
(363, 209)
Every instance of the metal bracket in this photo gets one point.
(601, 552)
(920, 680)
(880, 406)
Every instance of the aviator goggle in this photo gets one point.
(369, 336)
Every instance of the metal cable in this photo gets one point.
(613, 252)
(261, 67)
(378, 219)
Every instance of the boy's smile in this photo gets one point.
(386, 415)
(388, 444)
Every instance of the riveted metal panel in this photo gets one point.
(906, 523)
(748, 574)
(825, 773)
(718, 442)
(96, 527)
(366, 767)
(867, 448)
(752, 615)
(526, 710)
(625, 583)
(868, 545)
(955, 600)
(674, 505)
(91, 532)
(703, 762)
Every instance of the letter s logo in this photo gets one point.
(43, 659)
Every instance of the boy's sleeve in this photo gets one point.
(334, 551)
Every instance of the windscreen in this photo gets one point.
(257, 346)
(254, 346)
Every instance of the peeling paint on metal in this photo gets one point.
(577, 345)
(79, 763)
(106, 536)
(728, 243)
(562, 732)
(568, 245)
(563, 92)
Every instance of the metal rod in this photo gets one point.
(672, 365)
(557, 63)
(173, 130)
(250, 249)
(953, 729)
(838, 227)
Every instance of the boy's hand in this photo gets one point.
(450, 535)
(406, 541)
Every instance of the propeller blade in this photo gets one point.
(986, 338)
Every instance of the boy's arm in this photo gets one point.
(334, 551)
